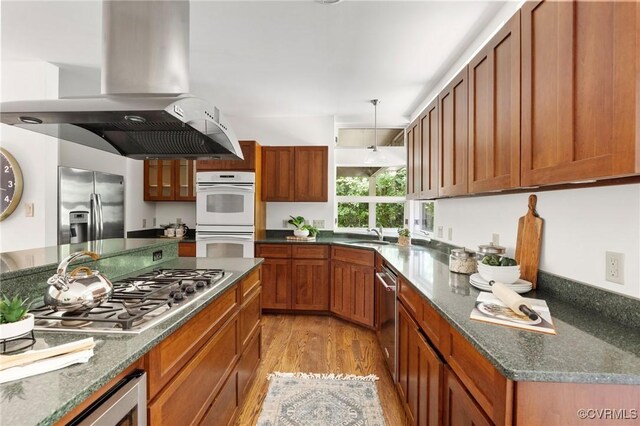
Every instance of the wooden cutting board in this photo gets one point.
(528, 244)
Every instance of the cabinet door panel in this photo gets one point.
(459, 407)
(276, 284)
(494, 112)
(362, 295)
(410, 138)
(453, 137)
(277, 173)
(248, 164)
(311, 173)
(430, 379)
(159, 180)
(340, 288)
(580, 95)
(416, 160)
(310, 285)
(429, 151)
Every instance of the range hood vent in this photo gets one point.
(143, 111)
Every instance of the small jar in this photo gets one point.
(462, 261)
(490, 248)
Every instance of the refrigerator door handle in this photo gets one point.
(93, 231)
(100, 218)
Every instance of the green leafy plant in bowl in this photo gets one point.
(15, 318)
(404, 237)
(313, 231)
(297, 221)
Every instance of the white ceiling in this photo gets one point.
(286, 58)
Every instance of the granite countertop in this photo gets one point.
(45, 398)
(32, 261)
(588, 347)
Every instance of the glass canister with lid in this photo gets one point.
(462, 261)
(490, 248)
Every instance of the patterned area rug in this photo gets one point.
(299, 399)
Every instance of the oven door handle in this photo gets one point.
(225, 188)
(386, 286)
(224, 237)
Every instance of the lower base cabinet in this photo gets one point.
(460, 409)
(420, 373)
(352, 292)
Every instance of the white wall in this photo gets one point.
(169, 212)
(37, 156)
(580, 225)
(279, 131)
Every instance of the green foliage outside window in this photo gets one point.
(353, 215)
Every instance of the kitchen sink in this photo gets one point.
(369, 243)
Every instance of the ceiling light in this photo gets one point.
(30, 120)
(374, 156)
(328, 1)
(135, 118)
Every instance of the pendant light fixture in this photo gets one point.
(374, 156)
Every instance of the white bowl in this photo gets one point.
(503, 274)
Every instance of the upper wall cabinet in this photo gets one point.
(580, 90)
(251, 153)
(453, 137)
(429, 152)
(494, 112)
(413, 160)
(298, 173)
(169, 180)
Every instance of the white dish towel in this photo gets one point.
(68, 354)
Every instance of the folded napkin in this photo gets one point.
(31, 363)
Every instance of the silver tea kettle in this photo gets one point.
(82, 288)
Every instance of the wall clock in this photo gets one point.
(10, 184)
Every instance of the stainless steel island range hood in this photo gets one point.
(144, 111)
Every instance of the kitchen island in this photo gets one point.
(46, 398)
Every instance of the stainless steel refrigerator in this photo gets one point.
(90, 205)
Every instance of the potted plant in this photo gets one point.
(313, 231)
(14, 317)
(301, 229)
(404, 237)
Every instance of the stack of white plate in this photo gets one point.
(520, 286)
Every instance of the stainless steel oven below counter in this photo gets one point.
(224, 241)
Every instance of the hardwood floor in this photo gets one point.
(319, 344)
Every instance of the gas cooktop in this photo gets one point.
(137, 303)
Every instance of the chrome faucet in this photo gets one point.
(378, 232)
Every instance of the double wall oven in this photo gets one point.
(225, 214)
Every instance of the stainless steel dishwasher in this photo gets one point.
(386, 280)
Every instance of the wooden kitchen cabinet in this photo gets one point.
(310, 284)
(420, 373)
(453, 137)
(460, 409)
(186, 249)
(169, 180)
(276, 284)
(413, 164)
(295, 173)
(429, 152)
(494, 112)
(341, 289)
(278, 164)
(352, 292)
(580, 90)
(250, 152)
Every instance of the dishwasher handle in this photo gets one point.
(387, 287)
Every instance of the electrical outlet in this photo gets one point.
(144, 223)
(157, 255)
(440, 231)
(178, 220)
(495, 239)
(28, 210)
(154, 222)
(614, 269)
(450, 234)
(285, 223)
(318, 223)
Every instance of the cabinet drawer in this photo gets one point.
(168, 357)
(409, 297)
(282, 251)
(250, 282)
(187, 249)
(487, 386)
(248, 365)
(356, 256)
(310, 251)
(186, 399)
(250, 317)
(434, 326)
(224, 407)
